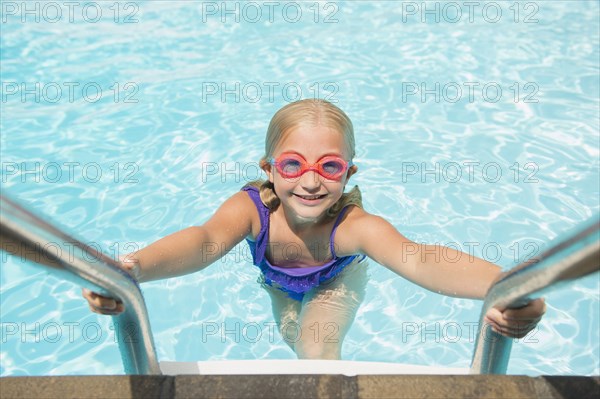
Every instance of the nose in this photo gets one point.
(310, 180)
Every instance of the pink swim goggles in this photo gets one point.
(291, 165)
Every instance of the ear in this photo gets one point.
(267, 167)
(352, 170)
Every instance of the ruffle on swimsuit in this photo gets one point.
(294, 281)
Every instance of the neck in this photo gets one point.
(299, 224)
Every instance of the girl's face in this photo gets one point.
(310, 195)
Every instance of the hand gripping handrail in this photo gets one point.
(576, 256)
(22, 231)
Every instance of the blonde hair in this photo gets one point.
(312, 112)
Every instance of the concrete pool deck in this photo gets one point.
(301, 386)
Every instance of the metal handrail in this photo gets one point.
(576, 256)
(83, 265)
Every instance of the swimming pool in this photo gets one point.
(477, 127)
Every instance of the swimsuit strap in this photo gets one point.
(262, 239)
(335, 226)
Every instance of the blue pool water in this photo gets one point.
(125, 122)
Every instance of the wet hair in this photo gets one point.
(311, 112)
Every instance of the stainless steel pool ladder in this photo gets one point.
(574, 257)
(85, 266)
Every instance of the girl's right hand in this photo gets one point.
(110, 306)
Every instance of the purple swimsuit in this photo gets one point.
(298, 280)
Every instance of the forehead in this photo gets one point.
(313, 141)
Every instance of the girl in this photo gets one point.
(302, 205)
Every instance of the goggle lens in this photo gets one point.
(333, 167)
(291, 166)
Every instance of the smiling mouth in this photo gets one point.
(311, 197)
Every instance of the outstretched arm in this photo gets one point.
(194, 248)
(186, 251)
(437, 268)
(440, 269)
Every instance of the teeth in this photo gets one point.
(310, 197)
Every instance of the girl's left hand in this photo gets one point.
(516, 323)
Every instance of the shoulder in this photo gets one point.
(357, 217)
(248, 206)
(241, 199)
(356, 226)
(238, 209)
